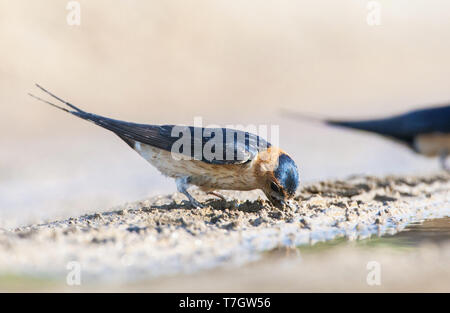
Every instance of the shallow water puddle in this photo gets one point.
(434, 231)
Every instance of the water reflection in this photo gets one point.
(435, 231)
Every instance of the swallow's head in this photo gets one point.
(282, 182)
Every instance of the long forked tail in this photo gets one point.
(102, 121)
(128, 132)
(57, 98)
(108, 123)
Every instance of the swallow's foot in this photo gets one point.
(182, 185)
(195, 204)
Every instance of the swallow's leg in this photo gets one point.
(218, 195)
(443, 160)
(182, 185)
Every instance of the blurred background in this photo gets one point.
(230, 62)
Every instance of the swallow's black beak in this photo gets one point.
(276, 202)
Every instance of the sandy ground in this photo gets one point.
(162, 236)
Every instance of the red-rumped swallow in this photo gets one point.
(425, 131)
(247, 161)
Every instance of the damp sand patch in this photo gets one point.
(164, 236)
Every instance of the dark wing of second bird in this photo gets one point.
(407, 126)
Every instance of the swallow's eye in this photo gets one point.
(274, 187)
